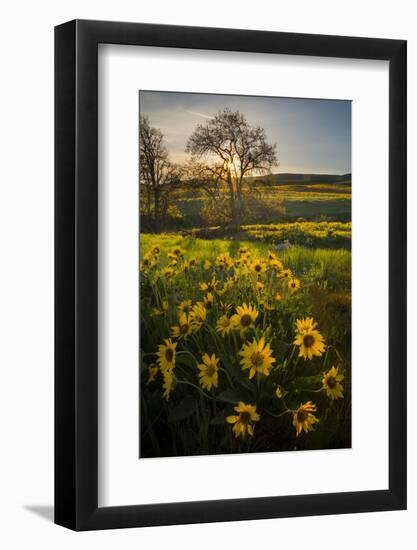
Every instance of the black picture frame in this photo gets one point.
(76, 272)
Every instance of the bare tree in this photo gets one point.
(229, 145)
(208, 177)
(158, 176)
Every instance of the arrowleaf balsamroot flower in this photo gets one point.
(166, 360)
(244, 317)
(224, 325)
(309, 340)
(256, 357)
(209, 375)
(285, 274)
(210, 286)
(331, 383)
(166, 355)
(198, 315)
(168, 383)
(184, 306)
(258, 266)
(277, 265)
(224, 260)
(305, 325)
(152, 372)
(293, 285)
(178, 251)
(184, 328)
(208, 300)
(304, 418)
(243, 421)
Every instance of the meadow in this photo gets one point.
(245, 348)
(298, 202)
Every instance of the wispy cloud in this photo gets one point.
(202, 115)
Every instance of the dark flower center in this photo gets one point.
(169, 354)
(208, 304)
(246, 320)
(331, 382)
(184, 328)
(308, 340)
(245, 417)
(257, 359)
(258, 267)
(211, 369)
(302, 415)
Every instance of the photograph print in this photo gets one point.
(245, 274)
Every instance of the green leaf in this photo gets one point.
(234, 396)
(241, 378)
(186, 359)
(185, 409)
(306, 382)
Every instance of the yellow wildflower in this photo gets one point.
(184, 327)
(293, 285)
(166, 355)
(311, 343)
(244, 317)
(304, 419)
(243, 421)
(331, 383)
(224, 325)
(256, 357)
(209, 376)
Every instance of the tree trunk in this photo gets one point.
(233, 206)
(239, 198)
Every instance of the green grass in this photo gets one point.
(310, 234)
(322, 265)
(316, 221)
(192, 421)
(311, 202)
(306, 234)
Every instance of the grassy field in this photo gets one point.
(332, 267)
(313, 202)
(189, 287)
(216, 301)
(307, 234)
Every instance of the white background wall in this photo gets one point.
(26, 272)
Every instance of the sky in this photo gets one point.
(312, 135)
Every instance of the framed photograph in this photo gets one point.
(230, 245)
